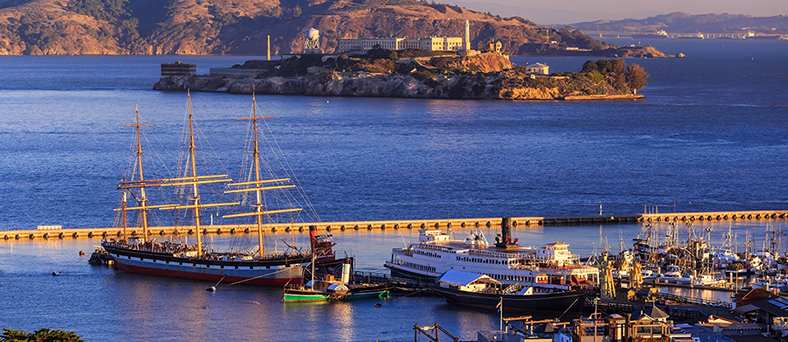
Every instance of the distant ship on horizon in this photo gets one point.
(661, 34)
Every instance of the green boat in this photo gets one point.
(305, 295)
(316, 291)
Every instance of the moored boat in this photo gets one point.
(485, 293)
(172, 259)
(552, 266)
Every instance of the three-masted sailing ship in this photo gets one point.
(170, 259)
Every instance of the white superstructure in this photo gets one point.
(552, 266)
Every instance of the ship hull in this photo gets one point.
(293, 275)
(269, 272)
(568, 304)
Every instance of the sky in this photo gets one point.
(546, 12)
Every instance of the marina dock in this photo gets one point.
(517, 222)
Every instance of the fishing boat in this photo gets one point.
(552, 266)
(483, 292)
(330, 290)
(180, 260)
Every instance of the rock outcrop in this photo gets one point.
(510, 85)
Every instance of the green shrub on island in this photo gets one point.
(40, 335)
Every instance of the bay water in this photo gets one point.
(712, 134)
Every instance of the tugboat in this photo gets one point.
(171, 259)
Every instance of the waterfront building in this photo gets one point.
(178, 69)
(538, 68)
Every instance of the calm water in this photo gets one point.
(711, 135)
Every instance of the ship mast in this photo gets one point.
(125, 186)
(143, 197)
(194, 180)
(195, 188)
(259, 206)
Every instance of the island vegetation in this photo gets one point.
(413, 73)
(41, 335)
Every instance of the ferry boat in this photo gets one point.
(172, 259)
(549, 267)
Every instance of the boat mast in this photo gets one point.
(123, 212)
(143, 197)
(195, 188)
(257, 182)
(258, 192)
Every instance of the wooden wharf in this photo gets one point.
(517, 222)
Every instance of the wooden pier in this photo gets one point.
(467, 223)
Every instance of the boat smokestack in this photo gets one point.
(506, 230)
(346, 273)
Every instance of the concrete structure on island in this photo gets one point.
(178, 69)
(397, 43)
(312, 41)
(538, 68)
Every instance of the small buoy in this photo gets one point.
(211, 289)
(81, 253)
(326, 101)
(377, 305)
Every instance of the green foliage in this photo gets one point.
(297, 11)
(571, 37)
(41, 335)
(636, 77)
(422, 75)
(596, 77)
(590, 66)
(107, 10)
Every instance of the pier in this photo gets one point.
(468, 223)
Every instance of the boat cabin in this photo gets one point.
(466, 281)
(433, 235)
(557, 251)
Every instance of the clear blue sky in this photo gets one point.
(572, 11)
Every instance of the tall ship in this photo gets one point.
(661, 34)
(172, 259)
(549, 268)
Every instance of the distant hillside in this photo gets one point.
(679, 22)
(55, 27)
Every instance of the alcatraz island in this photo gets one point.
(432, 67)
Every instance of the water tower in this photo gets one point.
(312, 44)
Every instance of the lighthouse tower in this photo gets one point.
(467, 36)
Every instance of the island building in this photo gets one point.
(312, 41)
(178, 69)
(396, 43)
(538, 68)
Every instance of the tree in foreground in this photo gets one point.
(636, 77)
(41, 335)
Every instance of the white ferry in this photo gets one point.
(551, 267)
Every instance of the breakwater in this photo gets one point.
(517, 222)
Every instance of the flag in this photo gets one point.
(498, 307)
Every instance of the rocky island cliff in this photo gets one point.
(241, 27)
(383, 73)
